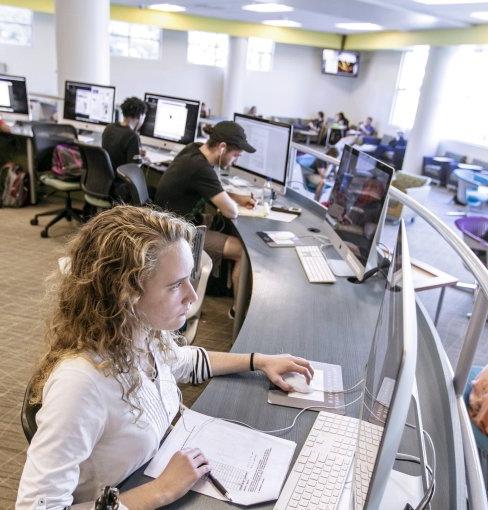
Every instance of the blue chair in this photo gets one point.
(440, 168)
(480, 438)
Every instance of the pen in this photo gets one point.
(219, 486)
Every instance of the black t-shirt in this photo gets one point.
(188, 183)
(121, 143)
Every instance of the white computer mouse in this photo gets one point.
(297, 382)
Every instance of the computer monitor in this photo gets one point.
(14, 102)
(88, 106)
(356, 208)
(271, 140)
(171, 122)
(392, 362)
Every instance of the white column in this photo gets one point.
(234, 78)
(82, 41)
(426, 132)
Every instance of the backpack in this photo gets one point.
(15, 192)
(67, 164)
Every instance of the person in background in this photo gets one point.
(321, 170)
(366, 127)
(317, 123)
(253, 111)
(108, 381)
(4, 127)
(204, 111)
(341, 120)
(121, 141)
(191, 181)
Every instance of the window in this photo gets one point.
(466, 82)
(408, 87)
(207, 48)
(15, 26)
(260, 54)
(134, 40)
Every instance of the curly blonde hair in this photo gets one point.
(93, 300)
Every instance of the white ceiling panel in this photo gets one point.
(322, 15)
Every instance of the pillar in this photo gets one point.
(234, 78)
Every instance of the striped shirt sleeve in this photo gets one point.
(191, 365)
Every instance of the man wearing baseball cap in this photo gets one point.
(191, 181)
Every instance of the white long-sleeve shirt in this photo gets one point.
(88, 437)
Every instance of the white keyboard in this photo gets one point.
(319, 474)
(314, 264)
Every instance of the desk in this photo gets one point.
(335, 127)
(333, 323)
(307, 133)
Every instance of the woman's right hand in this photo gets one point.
(184, 469)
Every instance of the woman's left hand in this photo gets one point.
(276, 365)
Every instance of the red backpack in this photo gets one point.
(67, 163)
(15, 186)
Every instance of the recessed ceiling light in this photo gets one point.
(483, 15)
(366, 27)
(282, 23)
(449, 2)
(167, 7)
(271, 7)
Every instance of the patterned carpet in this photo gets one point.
(26, 260)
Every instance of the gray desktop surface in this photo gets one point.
(328, 323)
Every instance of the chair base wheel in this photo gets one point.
(44, 234)
(34, 221)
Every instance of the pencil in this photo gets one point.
(219, 486)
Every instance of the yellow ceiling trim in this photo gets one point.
(185, 22)
(477, 34)
(46, 6)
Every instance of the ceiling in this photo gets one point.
(322, 15)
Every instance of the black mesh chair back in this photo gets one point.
(46, 137)
(197, 250)
(99, 175)
(133, 175)
(28, 414)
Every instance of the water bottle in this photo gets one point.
(268, 193)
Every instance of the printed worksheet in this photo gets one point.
(251, 465)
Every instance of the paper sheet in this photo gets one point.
(261, 211)
(252, 466)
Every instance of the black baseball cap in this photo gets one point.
(232, 133)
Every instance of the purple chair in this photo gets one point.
(475, 229)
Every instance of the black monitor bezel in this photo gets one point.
(85, 121)
(380, 165)
(273, 123)
(186, 100)
(24, 78)
(348, 75)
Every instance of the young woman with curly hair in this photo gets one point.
(107, 383)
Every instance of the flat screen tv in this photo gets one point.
(340, 63)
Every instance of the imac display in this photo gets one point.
(87, 105)
(340, 63)
(171, 122)
(272, 143)
(356, 207)
(389, 381)
(14, 103)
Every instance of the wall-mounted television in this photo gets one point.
(340, 63)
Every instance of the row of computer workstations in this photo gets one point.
(345, 462)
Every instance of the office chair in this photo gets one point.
(46, 138)
(133, 176)
(199, 279)
(98, 177)
(28, 414)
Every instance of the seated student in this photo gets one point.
(366, 127)
(204, 111)
(339, 128)
(191, 181)
(122, 142)
(253, 111)
(108, 382)
(316, 124)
